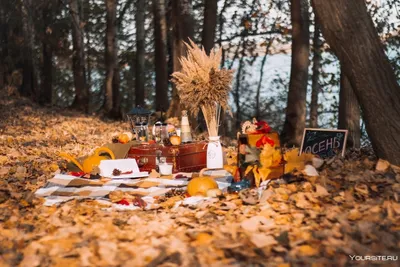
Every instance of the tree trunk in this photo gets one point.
(160, 35)
(112, 70)
(140, 52)
(236, 92)
(182, 30)
(29, 83)
(258, 92)
(3, 45)
(81, 101)
(88, 45)
(117, 110)
(47, 71)
(209, 24)
(296, 104)
(349, 30)
(349, 113)
(315, 77)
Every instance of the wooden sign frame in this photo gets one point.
(325, 130)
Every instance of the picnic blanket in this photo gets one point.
(64, 187)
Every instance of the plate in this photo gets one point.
(124, 165)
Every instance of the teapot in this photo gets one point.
(91, 161)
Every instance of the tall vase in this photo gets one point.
(214, 153)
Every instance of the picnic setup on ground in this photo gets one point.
(160, 164)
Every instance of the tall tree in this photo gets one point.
(3, 44)
(349, 112)
(140, 52)
(209, 24)
(112, 105)
(160, 36)
(296, 104)
(315, 76)
(81, 101)
(46, 91)
(29, 85)
(182, 30)
(349, 30)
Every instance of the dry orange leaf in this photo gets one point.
(296, 162)
(307, 251)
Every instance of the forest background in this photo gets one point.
(106, 56)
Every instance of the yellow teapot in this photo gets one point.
(92, 161)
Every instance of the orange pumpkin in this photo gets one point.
(123, 138)
(200, 186)
(175, 140)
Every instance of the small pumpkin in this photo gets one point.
(175, 140)
(200, 186)
(123, 138)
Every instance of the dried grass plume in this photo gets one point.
(203, 85)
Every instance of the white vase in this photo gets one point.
(214, 154)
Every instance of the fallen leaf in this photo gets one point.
(252, 224)
(307, 251)
(354, 214)
(382, 165)
(321, 191)
(262, 240)
(310, 170)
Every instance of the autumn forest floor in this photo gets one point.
(350, 209)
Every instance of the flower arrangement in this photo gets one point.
(202, 84)
(260, 152)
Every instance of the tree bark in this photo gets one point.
(111, 106)
(160, 35)
(182, 30)
(258, 92)
(29, 85)
(349, 113)
(350, 32)
(296, 104)
(81, 101)
(3, 45)
(209, 24)
(46, 92)
(140, 52)
(315, 77)
(88, 46)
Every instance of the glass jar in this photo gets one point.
(141, 130)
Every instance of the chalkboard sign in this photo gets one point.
(325, 143)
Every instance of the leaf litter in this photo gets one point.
(351, 208)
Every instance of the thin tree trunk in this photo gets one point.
(116, 111)
(209, 24)
(140, 52)
(315, 77)
(110, 56)
(3, 45)
(296, 104)
(221, 30)
(237, 94)
(182, 30)
(81, 101)
(349, 113)
(160, 35)
(46, 92)
(29, 84)
(349, 30)
(258, 93)
(88, 46)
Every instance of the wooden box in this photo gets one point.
(190, 157)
